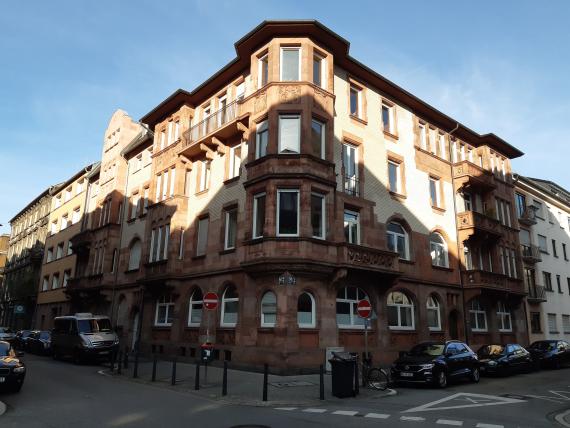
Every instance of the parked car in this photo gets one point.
(82, 336)
(21, 339)
(12, 369)
(436, 363)
(6, 334)
(504, 359)
(39, 342)
(550, 353)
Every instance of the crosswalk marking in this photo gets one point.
(412, 418)
(315, 410)
(481, 425)
(285, 408)
(345, 412)
(376, 416)
(449, 422)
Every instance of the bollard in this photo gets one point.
(126, 360)
(173, 380)
(136, 367)
(197, 376)
(154, 362)
(265, 376)
(322, 383)
(225, 380)
(119, 362)
(356, 382)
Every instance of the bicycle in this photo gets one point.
(374, 377)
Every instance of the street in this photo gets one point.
(59, 394)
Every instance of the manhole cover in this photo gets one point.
(291, 384)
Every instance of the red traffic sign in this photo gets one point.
(211, 301)
(364, 309)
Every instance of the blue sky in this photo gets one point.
(65, 66)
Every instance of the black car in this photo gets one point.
(12, 369)
(550, 353)
(21, 338)
(504, 359)
(436, 363)
(39, 342)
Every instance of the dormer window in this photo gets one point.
(290, 64)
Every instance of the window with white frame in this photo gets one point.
(166, 241)
(240, 91)
(53, 229)
(230, 304)
(566, 324)
(433, 313)
(79, 187)
(158, 187)
(134, 204)
(164, 311)
(75, 216)
(442, 149)
(165, 184)
(67, 194)
(350, 165)
(69, 248)
(45, 283)
(352, 227)
(434, 192)
(268, 309)
(306, 311)
(394, 176)
(287, 212)
(318, 217)
(397, 240)
(400, 311)
(423, 136)
(234, 161)
(59, 251)
(55, 281)
(258, 214)
(438, 250)
(504, 317)
(64, 222)
(319, 70)
(346, 307)
(318, 138)
(172, 183)
(290, 64)
(552, 324)
(542, 243)
(477, 316)
(204, 175)
(289, 133)
(202, 241)
(263, 70)
(261, 139)
(231, 229)
(195, 308)
(355, 101)
(388, 118)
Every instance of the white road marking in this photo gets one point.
(345, 412)
(560, 418)
(315, 410)
(475, 400)
(449, 422)
(376, 416)
(480, 425)
(412, 418)
(285, 408)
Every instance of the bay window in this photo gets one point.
(287, 212)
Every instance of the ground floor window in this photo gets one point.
(195, 308)
(535, 326)
(268, 309)
(400, 311)
(504, 317)
(346, 302)
(433, 313)
(306, 316)
(230, 303)
(477, 316)
(164, 311)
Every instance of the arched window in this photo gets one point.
(164, 311)
(268, 309)
(397, 239)
(195, 308)
(477, 316)
(230, 304)
(433, 313)
(504, 317)
(135, 254)
(400, 311)
(115, 260)
(438, 250)
(346, 302)
(306, 315)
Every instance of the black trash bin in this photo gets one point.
(343, 369)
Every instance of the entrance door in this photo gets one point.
(453, 325)
(135, 331)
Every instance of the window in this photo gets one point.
(306, 311)
(204, 175)
(235, 161)
(355, 101)
(433, 313)
(520, 202)
(64, 222)
(535, 326)
(438, 250)
(231, 229)
(434, 192)
(351, 227)
(397, 240)
(53, 229)
(289, 134)
(477, 316)
(59, 251)
(230, 303)
(467, 201)
(564, 252)
(558, 283)
(75, 216)
(202, 241)
(166, 242)
(547, 278)
(79, 187)
(394, 177)
(55, 281)
(552, 323)
(158, 186)
(566, 323)
(49, 256)
(538, 209)
(318, 138)
(346, 303)
(263, 70)
(240, 91)
(45, 283)
(172, 183)
(287, 212)
(66, 275)
(268, 309)
(67, 194)
(164, 312)
(350, 165)
(115, 260)
(261, 139)
(135, 254)
(195, 308)
(554, 251)
(442, 151)
(504, 317)
(318, 218)
(400, 311)
(258, 214)
(134, 205)
(542, 244)
(290, 64)
(319, 67)
(69, 248)
(423, 136)
(388, 118)
(181, 245)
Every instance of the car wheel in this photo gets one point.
(556, 364)
(441, 379)
(76, 357)
(475, 374)
(17, 387)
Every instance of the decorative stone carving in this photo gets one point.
(290, 94)
(370, 258)
(260, 102)
(320, 99)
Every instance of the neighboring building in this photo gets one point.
(29, 229)
(543, 209)
(4, 243)
(293, 183)
(67, 208)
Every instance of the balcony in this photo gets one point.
(528, 216)
(351, 185)
(479, 279)
(530, 254)
(220, 125)
(536, 294)
(467, 174)
(474, 224)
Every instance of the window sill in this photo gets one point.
(132, 270)
(406, 261)
(226, 327)
(228, 251)
(201, 256)
(505, 331)
(266, 329)
(480, 331)
(397, 196)
(436, 331)
(162, 327)
(232, 180)
(401, 330)
(201, 192)
(192, 327)
(156, 263)
(390, 135)
(437, 210)
(358, 119)
(444, 268)
(310, 329)
(353, 328)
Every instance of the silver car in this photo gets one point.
(7, 335)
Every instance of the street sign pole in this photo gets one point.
(366, 320)
(210, 303)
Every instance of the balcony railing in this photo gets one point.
(473, 175)
(531, 253)
(536, 294)
(528, 216)
(479, 222)
(484, 279)
(213, 122)
(351, 185)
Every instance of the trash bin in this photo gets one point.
(342, 370)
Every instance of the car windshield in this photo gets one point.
(6, 350)
(491, 350)
(45, 335)
(543, 346)
(427, 349)
(102, 325)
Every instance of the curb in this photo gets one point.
(2, 408)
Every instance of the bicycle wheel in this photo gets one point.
(377, 379)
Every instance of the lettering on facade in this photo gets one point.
(370, 258)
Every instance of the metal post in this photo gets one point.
(322, 383)
(126, 359)
(197, 376)
(265, 376)
(136, 367)
(356, 383)
(225, 380)
(120, 362)
(154, 362)
(365, 359)
(173, 380)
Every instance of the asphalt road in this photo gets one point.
(59, 394)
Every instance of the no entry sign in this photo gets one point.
(364, 309)
(211, 301)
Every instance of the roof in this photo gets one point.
(144, 136)
(82, 171)
(552, 189)
(340, 48)
(47, 192)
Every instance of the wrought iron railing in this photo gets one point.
(528, 215)
(536, 293)
(213, 122)
(531, 252)
(351, 185)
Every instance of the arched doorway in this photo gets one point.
(454, 325)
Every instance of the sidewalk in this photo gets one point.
(244, 387)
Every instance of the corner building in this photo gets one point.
(295, 182)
